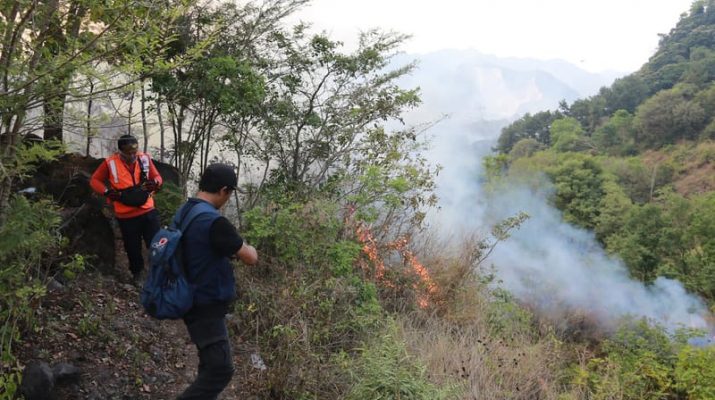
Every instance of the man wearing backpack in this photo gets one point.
(128, 179)
(210, 242)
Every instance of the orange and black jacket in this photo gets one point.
(121, 177)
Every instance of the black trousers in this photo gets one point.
(209, 333)
(134, 230)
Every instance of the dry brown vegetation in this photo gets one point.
(466, 338)
(695, 173)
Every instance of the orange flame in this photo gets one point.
(431, 287)
(370, 249)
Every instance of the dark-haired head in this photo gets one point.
(127, 142)
(217, 177)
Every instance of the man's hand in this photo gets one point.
(247, 254)
(112, 194)
(151, 185)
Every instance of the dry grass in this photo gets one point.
(488, 367)
(457, 341)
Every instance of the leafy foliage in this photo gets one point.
(30, 245)
(312, 295)
(386, 371)
(695, 372)
(530, 126)
(167, 201)
(644, 362)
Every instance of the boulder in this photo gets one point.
(37, 381)
(65, 373)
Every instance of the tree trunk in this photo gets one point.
(131, 110)
(55, 99)
(89, 116)
(54, 108)
(161, 131)
(8, 146)
(144, 125)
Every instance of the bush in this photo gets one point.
(695, 372)
(295, 233)
(310, 309)
(644, 362)
(30, 246)
(387, 371)
(167, 201)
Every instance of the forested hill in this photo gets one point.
(354, 297)
(669, 99)
(635, 162)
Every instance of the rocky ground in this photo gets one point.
(96, 323)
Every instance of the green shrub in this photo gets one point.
(9, 383)
(386, 371)
(167, 201)
(695, 372)
(295, 233)
(30, 246)
(638, 363)
(28, 239)
(311, 307)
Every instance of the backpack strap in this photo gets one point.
(143, 160)
(184, 222)
(188, 215)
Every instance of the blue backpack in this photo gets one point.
(167, 293)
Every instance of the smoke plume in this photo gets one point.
(551, 265)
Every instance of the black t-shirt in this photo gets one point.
(224, 238)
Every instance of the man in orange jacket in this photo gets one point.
(128, 179)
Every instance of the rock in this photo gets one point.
(156, 354)
(54, 286)
(257, 362)
(37, 381)
(65, 372)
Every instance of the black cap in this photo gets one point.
(126, 140)
(216, 176)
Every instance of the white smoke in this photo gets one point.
(547, 263)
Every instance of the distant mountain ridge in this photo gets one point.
(471, 86)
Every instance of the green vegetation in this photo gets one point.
(340, 306)
(634, 164)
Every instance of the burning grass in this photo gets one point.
(425, 286)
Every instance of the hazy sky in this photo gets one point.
(596, 35)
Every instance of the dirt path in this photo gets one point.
(97, 324)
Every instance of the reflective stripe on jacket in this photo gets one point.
(120, 178)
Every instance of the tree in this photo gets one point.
(525, 148)
(212, 96)
(579, 189)
(614, 207)
(589, 112)
(668, 116)
(640, 242)
(45, 42)
(616, 136)
(625, 94)
(639, 180)
(328, 105)
(567, 135)
(529, 126)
